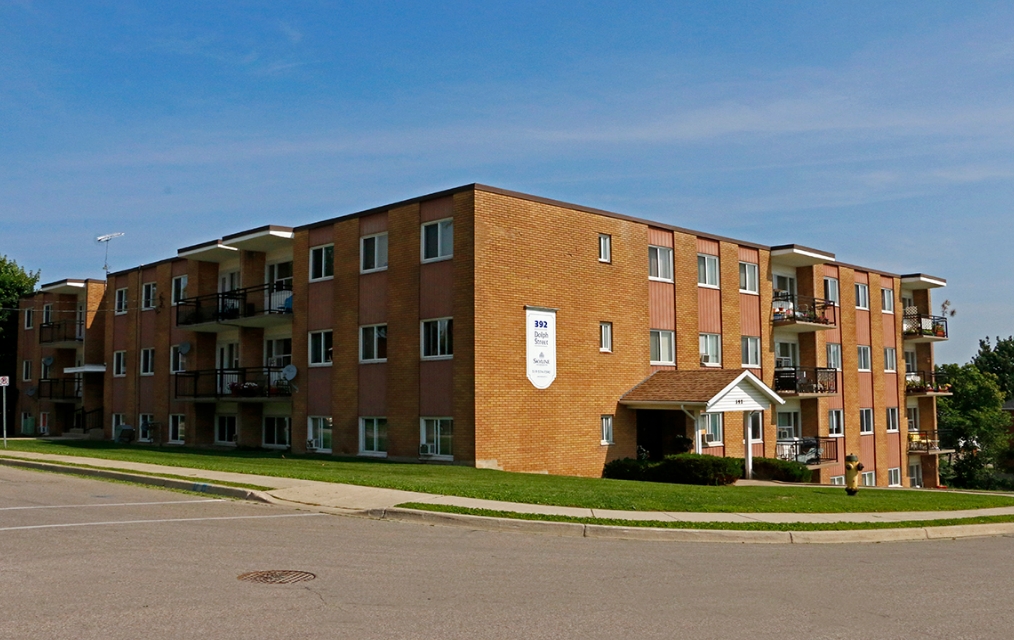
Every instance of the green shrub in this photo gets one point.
(625, 469)
(693, 468)
(780, 470)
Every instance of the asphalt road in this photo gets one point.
(90, 559)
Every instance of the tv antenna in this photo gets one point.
(105, 240)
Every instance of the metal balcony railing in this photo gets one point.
(923, 441)
(61, 388)
(262, 299)
(61, 331)
(922, 383)
(247, 382)
(791, 307)
(808, 450)
(806, 381)
(919, 325)
(88, 420)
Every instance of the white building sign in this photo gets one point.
(540, 327)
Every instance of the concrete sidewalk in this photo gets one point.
(345, 498)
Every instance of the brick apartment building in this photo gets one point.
(501, 330)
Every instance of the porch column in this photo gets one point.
(748, 448)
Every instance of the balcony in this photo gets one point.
(921, 383)
(63, 334)
(61, 389)
(808, 451)
(926, 443)
(806, 382)
(264, 305)
(249, 384)
(798, 314)
(918, 327)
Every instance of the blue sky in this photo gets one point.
(883, 132)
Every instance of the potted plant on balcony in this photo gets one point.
(245, 389)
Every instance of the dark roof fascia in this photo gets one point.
(148, 265)
(386, 207)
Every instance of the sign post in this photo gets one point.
(5, 381)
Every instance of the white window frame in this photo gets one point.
(894, 477)
(120, 301)
(864, 357)
(325, 355)
(911, 356)
(862, 296)
(665, 340)
(218, 423)
(118, 420)
(148, 292)
(119, 364)
(26, 418)
(319, 263)
(890, 359)
(144, 432)
(710, 347)
(887, 301)
(663, 263)
(439, 422)
(179, 290)
(26, 370)
(444, 227)
(711, 425)
(177, 428)
(379, 239)
(147, 362)
(832, 291)
(177, 359)
(756, 430)
(749, 277)
(834, 355)
(893, 424)
(912, 418)
(29, 318)
(606, 422)
(866, 421)
(708, 275)
(792, 431)
(605, 248)
(751, 346)
(376, 425)
(786, 354)
(47, 313)
(868, 478)
(837, 481)
(45, 371)
(42, 428)
(376, 343)
(443, 327)
(315, 426)
(287, 430)
(836, 423)
(606, 337)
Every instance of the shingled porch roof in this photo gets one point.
(701, 389)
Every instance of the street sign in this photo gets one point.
(5, 381)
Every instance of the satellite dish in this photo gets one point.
(289, 371)
(48, 360)
(185, 348)
(30, 391)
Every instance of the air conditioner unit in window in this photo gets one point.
(706, 359)
(708, 438)
(426, 449)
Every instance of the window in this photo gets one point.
(749, 278)
(607, 430)
(866, 421)
(786, 355)
(862, 296)
(915, 475)
(280, 276)
(322, 262)
(29, 318)
(320, 348)
(147, 362)
(662, 351)
(660, 263)
(373, 253)
(26, 370)
(119, 363)
(179, 289)
(606, 337)
(435, 437)
(890, 359)
(43, 423)
(605, 248)
(835, 422)
(864, 358)
(437, 339)
(177, 359)
(276, 431)
(145, 422)
(833, 355)
(711, 349)
(751, 351)
(225, 430)
(785, 284)
(711, 425)
(788, 424)
(47, 313)
(887, 300)
(45, 371)
(894, 477)
(911, 364)
(838, 481)
(756, 426)
(373, 343)
(707, 270)
(318, 433)
(373, 436)
(148, 296)
(892, 418)
(438, 240)
(831, 292)
(117, 424)
(278, 352)
(869, 478)
(27, 423)
(121, 301)
(177, 428)
(912, 415)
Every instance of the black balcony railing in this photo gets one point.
(61, 331)
(923, 441)
(792, 307)
(60, 388)
(88, 420)
(262, 299)
(918, 325)
(926, 383)
(247, 382)
(806, 380)
(808, 450)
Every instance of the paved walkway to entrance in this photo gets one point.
(357, 499)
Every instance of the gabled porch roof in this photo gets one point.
(707, 390)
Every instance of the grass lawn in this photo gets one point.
(593, 493)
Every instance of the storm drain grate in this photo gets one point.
(277, 577)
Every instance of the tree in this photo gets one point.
(14, 283)
(973, 422)
(998, 360)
